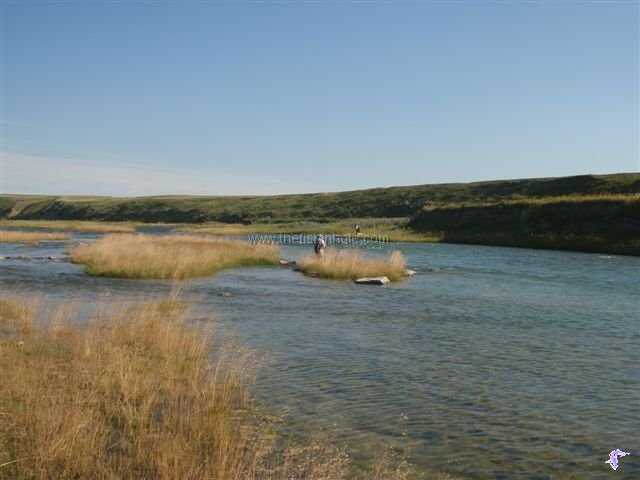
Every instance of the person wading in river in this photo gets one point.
(319, 245)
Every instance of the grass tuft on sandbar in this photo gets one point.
(31, 238)
(73, 225)
(169, 257)
(353, 264)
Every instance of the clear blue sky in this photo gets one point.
(140, 98)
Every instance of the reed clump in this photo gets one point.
(32, 238)
(139, 392)
(169, 257)
(353, 264)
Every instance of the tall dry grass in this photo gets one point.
(74, 225)
(134, 395)
(15, 236)
(16, 315)
(173, 257)
(140, 393)
(353, 264)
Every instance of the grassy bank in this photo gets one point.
(72, 226)
(169, 257)
(351, 264)
(141, 393)
(129, 396)
(10, 236)
(603, 223)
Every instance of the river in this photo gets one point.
(490, 363)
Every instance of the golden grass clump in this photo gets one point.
(15, 236)
(171, 257)
(141, 393)
(74, 225)
(353, 264)
(134, 395)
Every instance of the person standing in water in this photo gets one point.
(319, 245)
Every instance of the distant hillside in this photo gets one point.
(376, 202)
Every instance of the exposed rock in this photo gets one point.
(372, 281)
(287, 263)
(227, 294)
(409, 273)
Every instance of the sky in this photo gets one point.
(219, 98)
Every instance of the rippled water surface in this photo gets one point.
(491, 363)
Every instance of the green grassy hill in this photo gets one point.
(370, 203)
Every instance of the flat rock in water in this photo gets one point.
(409, 273)
(372, 281)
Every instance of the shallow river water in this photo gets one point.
(490, 363)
